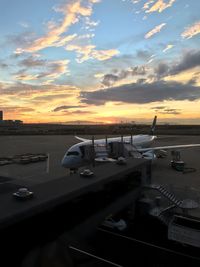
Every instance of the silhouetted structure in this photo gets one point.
(1, 115)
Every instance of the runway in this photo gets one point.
(56, 145)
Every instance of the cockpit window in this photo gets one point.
(73, 153)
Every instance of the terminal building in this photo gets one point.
(9, 123)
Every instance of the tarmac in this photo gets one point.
(37, 174)
(56, 146)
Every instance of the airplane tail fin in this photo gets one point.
(153, 126)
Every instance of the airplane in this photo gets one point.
(74, 157)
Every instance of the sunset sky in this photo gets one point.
(100, 60)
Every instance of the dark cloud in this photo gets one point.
(142, 93)
(189, 60)
(21, 39)
(158, 108)
(32, 62)
(3, 65)
(166, 110)
(143, 54)
(45, 69)
(83, 122)
(162, 69)
(65, 108)
(110, 79)
(171, 111)
(193, 80)
(77, 112)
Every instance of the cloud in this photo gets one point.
(157, 29)
(169, 46)
(90, 24)
(171, 111)
(166, 110)
(54, 69)
(49, 97)
(21, 76)
(32, 62)
(110, 79)
(24, 38)
(158, 108)
(161, 70)
(84, 122)
(65, 40)
(86, 52)
(143, 54)
(3, 65)
(26, 90)
(24, 24)
(80, 112)
(16, 109)
(190, 60)
(142, 93)
(64, 108)
(191, 30)
(158, 6)
(75, 112)
(98, 75)
(72, 11)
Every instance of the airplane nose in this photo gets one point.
(65, 162)
(69, 162)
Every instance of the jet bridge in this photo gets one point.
(109, 150)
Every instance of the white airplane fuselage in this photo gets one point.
(73, 158)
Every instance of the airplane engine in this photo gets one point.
(149, 155)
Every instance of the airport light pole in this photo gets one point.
(47, 167)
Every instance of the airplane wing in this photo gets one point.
(167, 147)
(82, 139)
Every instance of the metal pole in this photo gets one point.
(131, 139)
(47, 167)
(93, 152)
(122, 144)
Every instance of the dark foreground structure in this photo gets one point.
(62, 223)
(64, 213)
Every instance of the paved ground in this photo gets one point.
(56, 146)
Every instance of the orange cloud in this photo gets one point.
(147, 4)
(72, 12)
(157, 29)
(26, 77)
(191, 31)
(63, 41)
(159, 6)
(54, 69)
(88, 52)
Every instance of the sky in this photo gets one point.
(100, 61)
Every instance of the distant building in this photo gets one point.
(1, 115)
(10, 123)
